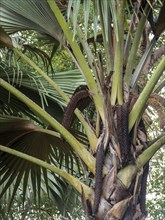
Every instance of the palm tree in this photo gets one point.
(107, 141)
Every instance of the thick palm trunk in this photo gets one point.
(116, 149)
(119, 202)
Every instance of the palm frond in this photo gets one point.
(36, 88)
(142, 62)
(24, 136)
(59, 196)
(29, 15)
(66, 199)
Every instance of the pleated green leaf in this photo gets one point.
(29, 15)
(24, 136)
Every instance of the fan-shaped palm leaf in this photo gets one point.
(31, 14)
(24, 136)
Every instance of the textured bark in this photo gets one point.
(98, 178)
(114, 201)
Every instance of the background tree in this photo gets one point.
(108, 145)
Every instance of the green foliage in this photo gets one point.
(112, 62)
(52, 207)
(156, 187)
